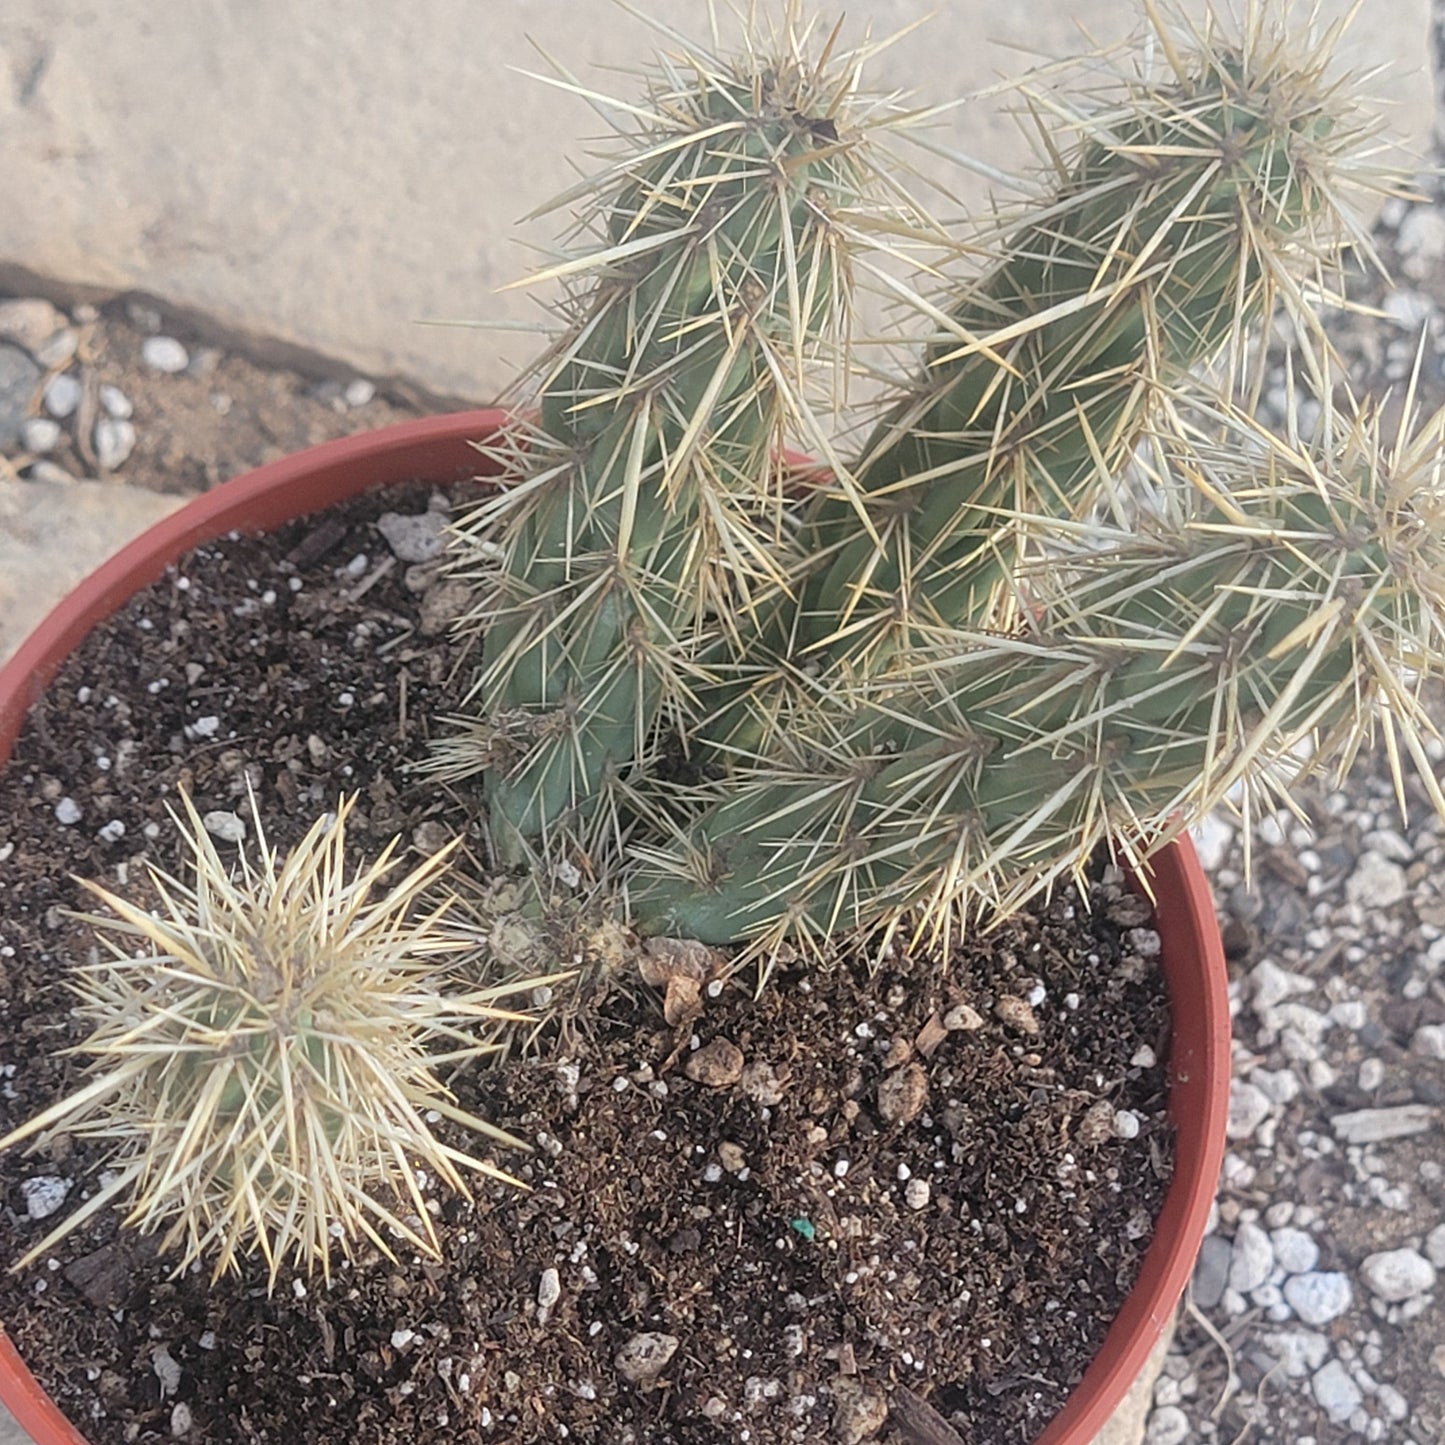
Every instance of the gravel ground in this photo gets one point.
(1315, 1316)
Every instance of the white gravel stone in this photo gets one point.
(1429, 1042)
(1377, 882)
(226, 826)
(1279, 1086)
(1395, 1275)
(359, 392)
(1252, 1259)
(1392, 1402)
(1301, 1352)
(51, 474)
(58, 349)
(1249, 1107)
(1318, 1296)
(29, 322)
(167, 1370)
(1294, 1251)
(916, 1194)
(116, 403)
(114, 442)
(44, 1194)
(67, 812)
(180, 1419)
(1212, 838)
(417, 538)
(1409, 309)
(1168, 1425)
(1350, 1014)
(1337, 1394)
(164, 354)
(62, 395)
(1421, 241)
(1391, 843)
(549, 1288)
(40, 434)
(1167, 1391)
(1435, 1246)
(1372, 1126)
(1271, 984)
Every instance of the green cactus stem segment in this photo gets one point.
(1187, 210)
(1160, 674)
(644, 514)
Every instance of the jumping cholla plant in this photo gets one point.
(1064, 591)
(265, 1061)
(928, 686)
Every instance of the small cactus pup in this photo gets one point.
(642, 519)
(1288, 599)
(1211, 177)
(265, 1048)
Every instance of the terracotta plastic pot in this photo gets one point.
(441, 449)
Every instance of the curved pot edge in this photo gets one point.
(437, 448)
(443, 448)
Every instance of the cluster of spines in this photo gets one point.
(265, 1049)
(1190, 205)
(1288, 596)
(644, 523)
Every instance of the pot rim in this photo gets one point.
(444, 448)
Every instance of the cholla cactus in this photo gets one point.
(1201, 190)
(262, 1065)
(1295, 596)
(948, 678)
(644, 522)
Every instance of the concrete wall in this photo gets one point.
(332, 174)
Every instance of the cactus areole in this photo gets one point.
(442, 449)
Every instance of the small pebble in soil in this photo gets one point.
(417, 538)
(716, 1065)
(28, 321)
(1337, 1394)
(644, 1357)
(166, 1369)
(116, 403)
(164, 354)
(962, 1018)
(1396, 1275)
(1294, 1251)
(224, 825)
(40, 434)
(1017, 1014)
(902, 1094)
(115, 440)
(67, 812)
(1318, 1296)
(44, 1194)
(62, 395)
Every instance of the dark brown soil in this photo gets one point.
(773, 1226)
